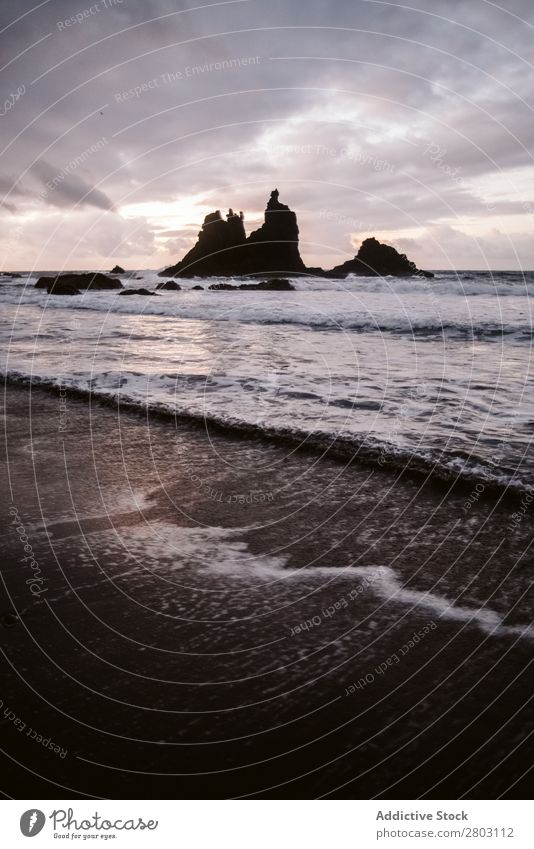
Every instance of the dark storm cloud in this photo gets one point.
(63, 189)
(392, 119)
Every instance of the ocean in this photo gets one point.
(206, 611)
(432, 375)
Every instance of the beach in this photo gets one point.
(194, 612)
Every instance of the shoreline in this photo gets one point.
(235, 648)
(348, 450)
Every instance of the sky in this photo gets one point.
(124, 122)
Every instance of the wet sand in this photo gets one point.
(201, 615)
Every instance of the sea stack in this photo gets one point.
(374, 259)
(215, 252)
(223, 249)
(274, 247)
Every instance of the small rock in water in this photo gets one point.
(78, 281)
(136, 292)
(169, 286)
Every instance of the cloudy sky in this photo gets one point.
(124, 123)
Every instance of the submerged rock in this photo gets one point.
(223, 249)
(215, 251)
(275, 285)
(59, 287)
(170, 286)
(80, 281)
(376, 259)
(136, 292)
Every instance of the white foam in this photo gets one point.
(383, 581)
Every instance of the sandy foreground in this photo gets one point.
(188, 614)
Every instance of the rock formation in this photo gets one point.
(117, 270)
(169, 286)
(377, 259)
(59, 287)
(275, 285)
(223, 248)
(274, 247)
(79, 281)
(136, 292)
(215, 251)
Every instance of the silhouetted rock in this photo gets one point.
(223, 249)
(117, 270)
(169, 286)
(274, 246)
(377, 259)
(136, 292)
(60, 287)
(80, 281)
(275, 285)
(215, 251)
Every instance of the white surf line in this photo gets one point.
(385, 583)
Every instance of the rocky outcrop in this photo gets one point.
(216, 250)
(136, 292)
(117, 270)
(376, 259)
(275, 285)
(274, 247)
(59, 287)
(169, 286)
(79, 281)
(223, 249)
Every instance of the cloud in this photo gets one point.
(63, 189)
(367, 82)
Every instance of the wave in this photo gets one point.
(453, 468)
(453, 318)
(470, 283)
(386, 584)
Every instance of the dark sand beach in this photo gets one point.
(211, 616)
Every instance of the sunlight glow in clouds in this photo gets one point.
(424, 140)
